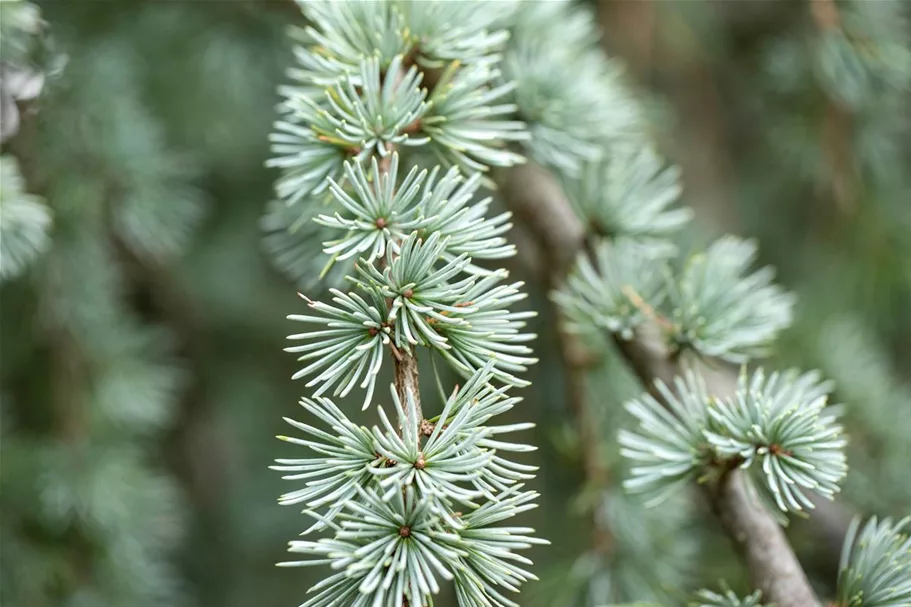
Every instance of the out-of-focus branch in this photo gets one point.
(825, 13)
(541, 210)
(700, 144)
(535, 198)
(629, 30)
(194, 443)
(835, 131)
(537, 201)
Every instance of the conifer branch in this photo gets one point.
(773, 567)
(408, 503)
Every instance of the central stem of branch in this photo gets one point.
(406, 365)
(406, 381)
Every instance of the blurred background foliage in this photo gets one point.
(142, 372)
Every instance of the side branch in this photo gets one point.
(770, 560)
(761, 543)
(535, 198)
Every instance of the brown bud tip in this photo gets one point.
(426, 427)
(380, 223)
(775, 449)
(413, 127)
(408, 294)
(405, 531)
(420, 464)
(373, 331)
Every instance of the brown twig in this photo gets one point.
(406, 381)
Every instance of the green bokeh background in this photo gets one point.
(198, 79)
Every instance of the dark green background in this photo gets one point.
(764, 155)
